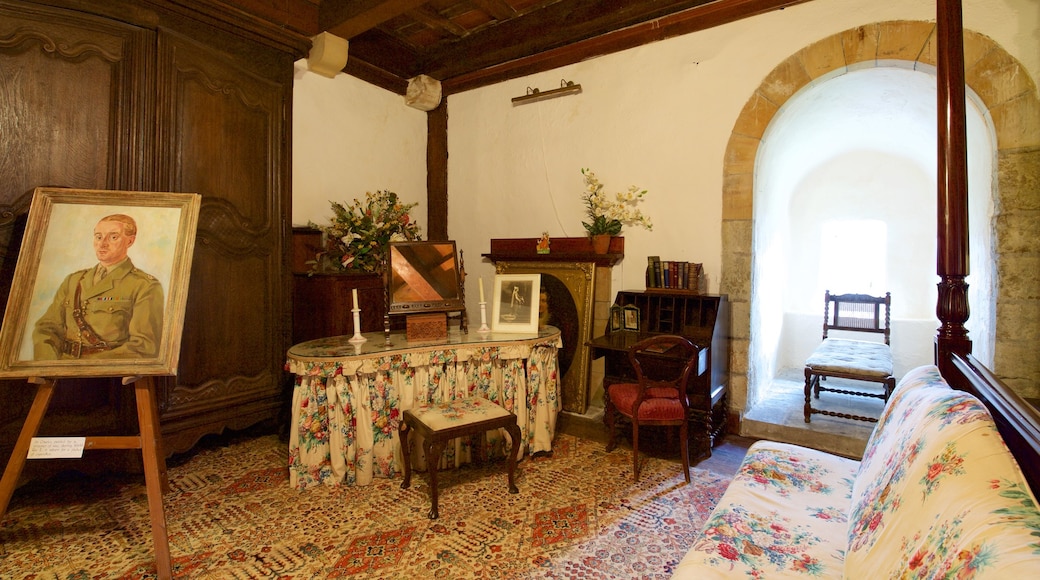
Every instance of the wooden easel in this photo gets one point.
(149, 441)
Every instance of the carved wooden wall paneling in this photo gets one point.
(209, 102)
(72, 114)
(155, 96)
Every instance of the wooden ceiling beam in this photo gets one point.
(497, 8)
(433, 19)
(702, 17)
(554, 26)
(349, 18)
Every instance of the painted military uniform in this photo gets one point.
(119, 315)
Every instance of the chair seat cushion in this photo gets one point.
(659, 403)
(457, 413)
(873, 359)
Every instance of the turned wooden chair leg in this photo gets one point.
(807, 408)
(434, 450)
(406, 455)
(635, 450)
(514, 435)
(684, 448)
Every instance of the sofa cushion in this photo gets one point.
(938, 494)
(783, 515)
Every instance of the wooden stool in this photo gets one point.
(439, 423)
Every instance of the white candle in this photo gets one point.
(353, 293)
(481, 281)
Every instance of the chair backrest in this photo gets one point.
(857, 313)
(664, 360)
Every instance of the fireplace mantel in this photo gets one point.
(577, 283)
(560, 250)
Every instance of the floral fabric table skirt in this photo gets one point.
(346, 412)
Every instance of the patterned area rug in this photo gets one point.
(231, 514)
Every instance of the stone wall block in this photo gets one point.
(737, 235)
(1016, 278)
(976, 47)
(1018, 175)
(737, 196)
(1016, 363)
(784, 81)
(1017, 122)
(755, 117)
(929, 54)
(823, 57)
(740, 319)
(903, 40)
(740, 154)
(860, 44)
(997, 78)
(736, 277)
(1019, 320)
(1017, 232)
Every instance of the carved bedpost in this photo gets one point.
(952, 238)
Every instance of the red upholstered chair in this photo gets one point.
(659, 397)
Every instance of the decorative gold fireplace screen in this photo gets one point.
(568, 288)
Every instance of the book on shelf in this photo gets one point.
(673, 274)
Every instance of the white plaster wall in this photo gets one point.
(658, 116)
(349, 138)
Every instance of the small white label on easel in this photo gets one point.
(56, 447)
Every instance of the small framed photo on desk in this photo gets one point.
(615, 318)
(630, 317)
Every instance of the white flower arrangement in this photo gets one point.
(607, 216)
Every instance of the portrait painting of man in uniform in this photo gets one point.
(100, 284)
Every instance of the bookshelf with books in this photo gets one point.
(673, 275)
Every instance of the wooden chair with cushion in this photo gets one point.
(439, 423)
(859, 360)
(658, 397)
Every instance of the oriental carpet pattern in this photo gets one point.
(232, 514)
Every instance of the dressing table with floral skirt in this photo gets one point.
(348, 398)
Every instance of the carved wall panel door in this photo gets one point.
(163, 103)
(72, 113)
(221, 133)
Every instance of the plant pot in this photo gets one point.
(601, 243)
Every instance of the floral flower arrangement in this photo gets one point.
(607, 216)
(357, 238)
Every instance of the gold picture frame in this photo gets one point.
(515, 303)
(570, 292)
(128, 324)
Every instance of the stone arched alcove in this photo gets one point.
(1009, 97)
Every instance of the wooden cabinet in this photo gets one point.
(161, 97)
(704, 319)
(322, 304)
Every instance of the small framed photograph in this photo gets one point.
(515, 303)
(100, 285)
(615, 318)
(630, 317)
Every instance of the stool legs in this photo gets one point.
(434, 448)
(406, 453)
(514, 436)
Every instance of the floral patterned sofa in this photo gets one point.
(936, 495)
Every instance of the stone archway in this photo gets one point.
(1010, 99)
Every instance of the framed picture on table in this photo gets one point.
(615, 318)
(100, 285)
(630, 317)
(515, 303)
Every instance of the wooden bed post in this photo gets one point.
(952, 238)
